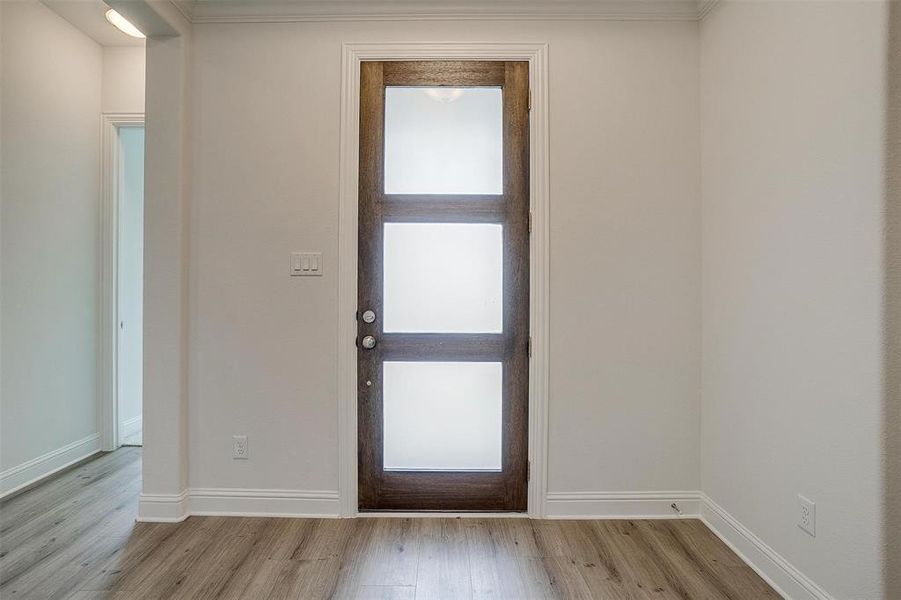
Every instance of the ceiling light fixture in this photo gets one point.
(123, 24)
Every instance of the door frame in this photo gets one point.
(108, 362)
(352, 55)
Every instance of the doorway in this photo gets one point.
(122, 321)
(130, 286)
(443, 286)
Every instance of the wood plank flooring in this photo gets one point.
(75, 538)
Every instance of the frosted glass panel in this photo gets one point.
(443, 278)
(442, 416)
(443, 140)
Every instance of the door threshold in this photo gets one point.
(437, 514)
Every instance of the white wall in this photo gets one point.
(793, 203)
(625, 249)
(167, 191)
(123, 79)
(892, 399)
(50, 128)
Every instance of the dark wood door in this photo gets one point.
(443, 315)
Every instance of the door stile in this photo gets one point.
(371, 178)
(516, 279)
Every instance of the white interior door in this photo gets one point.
(130, 284)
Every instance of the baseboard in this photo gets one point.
(788, 581)
(438, 514)
(622, 505)
(28, 473)
(238, 503)
(163, 508)
(264, 503)
(131, 426)
(325, 504)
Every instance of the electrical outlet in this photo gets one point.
(807, 515)
(239, 447)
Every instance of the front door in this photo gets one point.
(443, 315)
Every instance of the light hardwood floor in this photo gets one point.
(74, 537)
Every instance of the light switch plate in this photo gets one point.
(306, 264)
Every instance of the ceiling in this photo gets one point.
(88, 17)
(251, 11)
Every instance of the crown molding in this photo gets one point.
(185, 7)
(705, 7)
(288, 11)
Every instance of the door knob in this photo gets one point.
(369, 342)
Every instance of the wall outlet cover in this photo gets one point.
(239, 447)
(807, 515)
